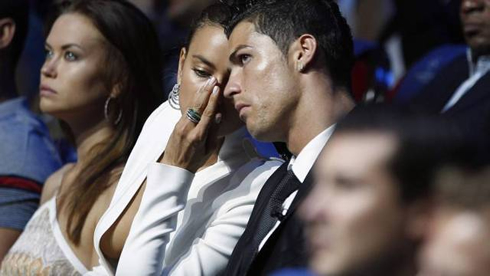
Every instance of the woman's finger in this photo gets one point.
(202, 96)
(208, 116)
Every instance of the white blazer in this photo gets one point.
(187, 224)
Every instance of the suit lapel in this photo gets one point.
(244, 253)
(302, 193)
(475, 95)
(436, 94)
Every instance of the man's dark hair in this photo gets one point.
(286, 20)
(18, 10)
(424, 144)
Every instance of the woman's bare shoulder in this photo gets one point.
(53, 183)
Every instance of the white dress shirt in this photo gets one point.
(301, 166)
(477, 70)
(187, 224)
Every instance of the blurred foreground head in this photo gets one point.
(369, 203)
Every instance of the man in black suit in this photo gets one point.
(291, 62)
(461, 91)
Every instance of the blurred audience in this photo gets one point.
(460, 90)
(369, 205)
(423, 25)
(27, 154)
(290, 80)
(459, 240)
(102, 78)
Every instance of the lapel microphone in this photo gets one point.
(276, 212)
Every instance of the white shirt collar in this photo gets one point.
(301, 164)
(481, 64)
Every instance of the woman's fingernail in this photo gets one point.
(215, 90)
(212, 80)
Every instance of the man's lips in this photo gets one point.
(239, 107)
(472, 27)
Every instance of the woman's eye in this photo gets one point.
(201, 73)
(70, 56)
(48, 54)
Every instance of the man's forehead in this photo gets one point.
(244, 31)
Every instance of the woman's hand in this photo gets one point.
(191, 144)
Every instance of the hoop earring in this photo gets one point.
(174, 98)
(106, 111)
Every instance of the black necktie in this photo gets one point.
(273, 211)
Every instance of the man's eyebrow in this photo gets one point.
(233, 55)
(204, 60)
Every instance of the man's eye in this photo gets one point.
(70, 56)
(346, 183)
(244, 58)
(201, 73)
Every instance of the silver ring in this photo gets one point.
(193, 116)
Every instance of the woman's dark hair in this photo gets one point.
(133, 65)
(215, 15)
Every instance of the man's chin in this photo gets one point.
(261, 135)
(478, 47)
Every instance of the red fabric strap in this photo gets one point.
(20, 183)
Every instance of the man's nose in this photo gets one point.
(233, 87)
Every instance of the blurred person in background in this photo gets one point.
(458, 243)
(460, 91)
(102, 78)
(369, 205)
(27, 154)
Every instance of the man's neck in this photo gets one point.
(317, 110)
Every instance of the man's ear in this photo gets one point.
(7, 31)
(303, 51)
(183, 55)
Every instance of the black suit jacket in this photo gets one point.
(285, 247)
(471, 114)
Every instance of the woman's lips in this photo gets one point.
(45, 90)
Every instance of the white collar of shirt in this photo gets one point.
(477, 69)
(301, 164)
(480, 65)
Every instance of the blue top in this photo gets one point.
(27, 157)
